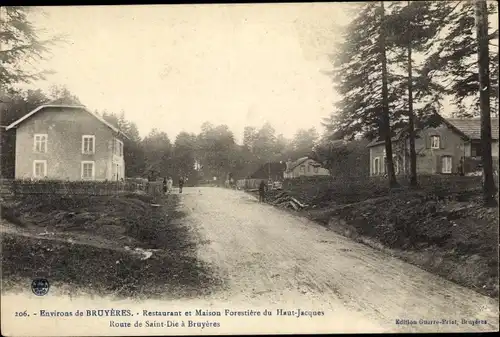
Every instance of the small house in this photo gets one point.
(442, 149)
(67, 142)
(306, 167)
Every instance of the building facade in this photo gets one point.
(64, 142)
(304, 167)
(440, 150)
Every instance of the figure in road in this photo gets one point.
(262, 191)
(181, 183)
(165, 187)
(170, 184)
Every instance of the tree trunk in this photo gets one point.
(489, 189)
(411, 116)
(385, 127)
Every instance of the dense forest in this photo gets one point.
(213, 152)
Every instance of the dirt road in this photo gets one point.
(271, 257)
(271, 261)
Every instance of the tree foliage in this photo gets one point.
(357, 76)
(20, 47)
(453, 59)
(133, 153)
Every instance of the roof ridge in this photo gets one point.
(40, 107)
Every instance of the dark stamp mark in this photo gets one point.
(40, 286)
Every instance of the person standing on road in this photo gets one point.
(181, 183)
(262, 191)
(170, 184)
(165, 187)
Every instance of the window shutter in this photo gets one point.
(442, 141)
(427, 141)
(439, 161)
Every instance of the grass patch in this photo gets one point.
(455, 239)
(95, 259)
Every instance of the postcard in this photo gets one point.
(265, 168)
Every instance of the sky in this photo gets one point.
(175, 67)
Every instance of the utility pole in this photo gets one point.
(489, 188)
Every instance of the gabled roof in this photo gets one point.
(379, 140)
(81, 107)
(298, 162)
(472, 127)
(469, 128)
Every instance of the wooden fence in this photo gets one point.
(27, 187)
(248, 184)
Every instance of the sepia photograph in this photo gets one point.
(257, 168)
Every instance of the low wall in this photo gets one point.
(22, 187)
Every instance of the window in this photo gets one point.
(118, 148)
(88, 144)
(396, 164)
(476, 150)
(88, 170)
(446, 164)
(316, 170)
(376, 166)
(39, 168)
(40, 143)
(435, 142)
(302, 168)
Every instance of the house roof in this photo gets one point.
(298, 162)
(378, 140)
(467, 127)
(472, 127)
(81, 107)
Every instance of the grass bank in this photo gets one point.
(119, 246)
